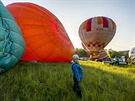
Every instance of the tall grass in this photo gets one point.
(53, 82)
(109, 83)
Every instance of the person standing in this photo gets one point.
(116, 60)
(77, 71)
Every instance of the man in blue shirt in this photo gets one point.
(116, 60)
(77, 75)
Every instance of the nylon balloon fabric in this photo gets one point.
(102, 54)
(45, 37)
(95, 33)
(96, 54)
(12, 45)
(132, 55)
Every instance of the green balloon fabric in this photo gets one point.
(12, 45)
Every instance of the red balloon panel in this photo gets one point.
(45, 37)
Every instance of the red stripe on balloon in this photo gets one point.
(88, 27)
(105, 22)
(114, 26)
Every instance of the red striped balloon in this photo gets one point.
(95, 33)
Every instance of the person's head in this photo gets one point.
(75, 58)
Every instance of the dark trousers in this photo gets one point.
(76, 87)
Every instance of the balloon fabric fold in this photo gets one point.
(12, 45)
(45, 37)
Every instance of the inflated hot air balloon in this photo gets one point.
(132, 55)
(45, 37)
(95, 33)
(99, 54)
(12, 45)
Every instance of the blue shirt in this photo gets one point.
(116, 58)
(77, 71)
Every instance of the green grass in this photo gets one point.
(53, 82)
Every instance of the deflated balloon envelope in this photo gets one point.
(45, 37)
(12, 45)
(95, 33)
(132, 55)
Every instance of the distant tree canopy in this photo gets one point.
(114, 53)
(81, 52)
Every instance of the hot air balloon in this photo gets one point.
(94, 55)
(99, 55)
(132, 55)
(102, 54)
(12, 44)
(95, 33)
(45, 37)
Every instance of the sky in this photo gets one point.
(72, 13)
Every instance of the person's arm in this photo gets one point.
(76, 73)
(81, 73)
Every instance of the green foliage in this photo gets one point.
(81, 52)
(114, 53)
(53, 82)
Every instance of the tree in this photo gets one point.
(81, 52)
(114, 53)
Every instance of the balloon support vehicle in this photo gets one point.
(113, 62)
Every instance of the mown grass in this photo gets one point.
(53, 82)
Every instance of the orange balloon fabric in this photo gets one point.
(45, 37)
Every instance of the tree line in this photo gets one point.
(82, 53)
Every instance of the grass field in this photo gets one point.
(53, 82)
